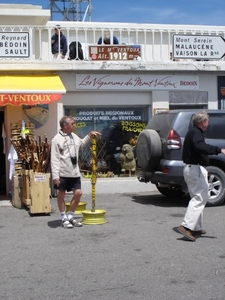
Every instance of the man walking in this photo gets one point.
(195, 157)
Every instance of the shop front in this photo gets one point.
(119, 106)
(23, 96)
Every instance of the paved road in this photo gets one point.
(137, 254)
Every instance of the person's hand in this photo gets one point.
(95, 133)
(223, 151)
(56, 181)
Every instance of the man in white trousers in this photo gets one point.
(195, 157)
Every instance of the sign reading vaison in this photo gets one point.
(115, 52)
(202, 47)
(14, 44)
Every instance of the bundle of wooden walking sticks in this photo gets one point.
(34, 155)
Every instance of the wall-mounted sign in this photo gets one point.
(115, 52)
(28, 99)
(136, 82)
(14, 44)
(159, 110)
(201, 47)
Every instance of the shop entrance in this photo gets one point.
(2, 160)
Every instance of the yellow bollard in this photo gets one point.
(94, 170)
(81, 206)
(93, 216)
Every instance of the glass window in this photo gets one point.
(118, 126)
(215, 129)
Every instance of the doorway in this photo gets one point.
(2, 159)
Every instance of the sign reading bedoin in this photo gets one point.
(14, 44)
(201, 47)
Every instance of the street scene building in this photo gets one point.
(112, 88)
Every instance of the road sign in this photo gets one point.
(115, 52)
(201, 47)
(14, 44)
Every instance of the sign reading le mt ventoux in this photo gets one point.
(202, 47)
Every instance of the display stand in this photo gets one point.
(36, 192)
(17, 191)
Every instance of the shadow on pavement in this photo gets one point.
(159, 200)
(54, 224)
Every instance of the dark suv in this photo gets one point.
(159, 153)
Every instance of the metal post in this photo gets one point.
(94, 169)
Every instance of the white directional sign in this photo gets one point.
(14, 44)
(201, 47)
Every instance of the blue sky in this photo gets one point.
(193, 12)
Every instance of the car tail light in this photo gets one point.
(165, 170)
(173, 140)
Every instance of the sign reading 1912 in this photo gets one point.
(14, 44)
(201, 47)
(115, 52)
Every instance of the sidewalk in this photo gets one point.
(114, 185)
(117, 185)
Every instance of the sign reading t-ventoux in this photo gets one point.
(115, 52)
(198, 46)
(14, 44)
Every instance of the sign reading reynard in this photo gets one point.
(14, 44)
(201, 47)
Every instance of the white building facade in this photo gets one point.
(115, 89)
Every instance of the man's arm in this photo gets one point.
(55, 160)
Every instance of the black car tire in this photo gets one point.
(170, 192)
(216, 180)
(148, 149)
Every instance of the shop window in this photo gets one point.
(118, 126)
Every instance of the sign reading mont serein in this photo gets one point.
(201, 47)
(14, 44)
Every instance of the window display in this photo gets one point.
(118, 126)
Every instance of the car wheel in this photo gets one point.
(171, 192)
(148, 149)
(216, 180)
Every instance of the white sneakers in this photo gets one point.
(71, 223)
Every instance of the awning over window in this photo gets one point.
(30, 89)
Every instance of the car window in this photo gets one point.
(216, 128)
(162, 123)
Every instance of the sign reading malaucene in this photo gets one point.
(201, 47)
(14, 44)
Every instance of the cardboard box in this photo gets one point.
(17, 191)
